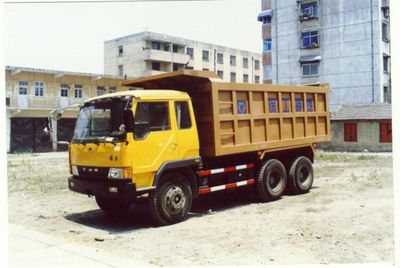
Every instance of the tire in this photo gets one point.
(113, 206)
(172, 200)
(271, 180)
(301, 176)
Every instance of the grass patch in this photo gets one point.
(366, 157)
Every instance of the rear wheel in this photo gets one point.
(113, 206)
(301, 176)
(171, 201)
(271, 180)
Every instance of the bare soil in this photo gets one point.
(347, 217)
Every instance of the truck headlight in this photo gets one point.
(119, 173)
(74, 170)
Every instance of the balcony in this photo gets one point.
(385, 4)
(165, 56)
(50, 102)
(152, 72)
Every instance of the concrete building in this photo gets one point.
(361, 127)
(345, 43)
(147, 53)
(32, 93)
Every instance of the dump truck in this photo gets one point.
(187, 133)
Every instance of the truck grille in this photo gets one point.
(93, 172)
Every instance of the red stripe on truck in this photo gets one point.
(225, 186)
(203, 173)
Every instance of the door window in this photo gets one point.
(182, 114)
(151, 117)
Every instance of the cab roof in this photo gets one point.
(162, 94)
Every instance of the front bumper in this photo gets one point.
(121, 189)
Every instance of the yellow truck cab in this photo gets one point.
(188, 133)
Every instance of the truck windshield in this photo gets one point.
(101, 119)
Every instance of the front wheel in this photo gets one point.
(171, 201)
(113, 206)
(271, 180)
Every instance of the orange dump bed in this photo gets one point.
(239, 117)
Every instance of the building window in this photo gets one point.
(385, 8)
(385, 31)
(257, 65)
(120, 51)
(245, 78)
(112, 89)
(175, 48)
(175, 67)
(23, 87)
(256, 79)
(190, 52)
(64, 90)
(206, 55)
(267, 72)
(385, 133)
(350, 132)
(78, 91)
(309, 10)
(272, 108)
(267, 45)
(100, 90)
(121, 70)
(245, 63)
(220, 74)
(310, 68)
(385, 64)
(155, 45)
(220, 58)
(233, 60)
(205, 69)
(299, 104)
(310, 39)
(387, 94)
(155, 66)
(266, 19)
(233, 77)
(39, 88)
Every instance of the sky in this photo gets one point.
(70, 36)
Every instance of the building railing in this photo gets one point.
(24, 101)
(166, 56)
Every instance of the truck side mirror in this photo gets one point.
(129, 120)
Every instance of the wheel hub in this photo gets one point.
(304, 175)
(274, 182)
(175, 199)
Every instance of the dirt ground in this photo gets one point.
(347, 217)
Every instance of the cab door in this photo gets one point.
(188, 141)
(155, 140)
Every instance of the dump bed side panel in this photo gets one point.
(251, 117)
(240, 118)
